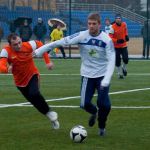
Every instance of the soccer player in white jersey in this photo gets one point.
(98, 63)
(107, 25)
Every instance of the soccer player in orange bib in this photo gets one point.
(17, 58)
(119, 35)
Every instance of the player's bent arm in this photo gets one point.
(3, 65)
(46, 58)
(126, 29)
(110, 53)
(48, 62)
(126, 33)
(36, 44)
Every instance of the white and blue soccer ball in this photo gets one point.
(78, 134)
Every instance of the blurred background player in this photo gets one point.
(107, 25)
(17, 58)
(40, 30)
(55, 35)
(25, 31)
(98, 63)
(119, 35)
(146, 41)
(12, 27)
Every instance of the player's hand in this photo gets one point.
(120, 41)
(104, 83)
(104, 87)
(10, 69)
(50, 66)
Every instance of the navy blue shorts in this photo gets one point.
(88, 88)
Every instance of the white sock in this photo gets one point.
(124, 66)
(52, 115)
(119, 70)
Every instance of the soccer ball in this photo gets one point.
(78, 134)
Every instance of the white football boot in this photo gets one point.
(53, 116)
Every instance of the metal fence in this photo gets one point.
(135, 21)
(74, 14)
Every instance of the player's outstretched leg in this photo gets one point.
(104, 107)
(87, 92)
(33, 95)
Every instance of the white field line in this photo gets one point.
(77, 97)
(70, 106)
(129, 91)
(74, 74)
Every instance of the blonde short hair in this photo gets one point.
(94, 16)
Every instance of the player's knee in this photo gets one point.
(105, 107)
(118, 63)
(104, 104)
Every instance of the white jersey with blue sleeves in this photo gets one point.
(97, 53)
